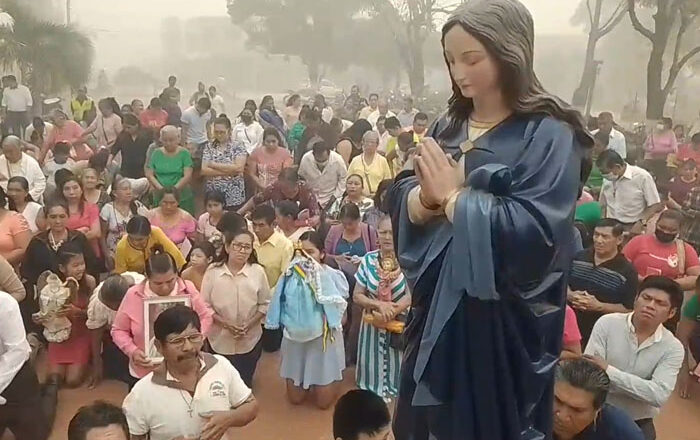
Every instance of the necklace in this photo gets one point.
(53, 243)
(190, 410)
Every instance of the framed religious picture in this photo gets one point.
(152, 307)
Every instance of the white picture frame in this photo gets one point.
(152, 307)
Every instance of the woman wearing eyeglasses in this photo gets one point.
(237, 289)
(161, 280)
(139, 243)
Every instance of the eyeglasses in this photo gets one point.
(194, 339)
(241, 247)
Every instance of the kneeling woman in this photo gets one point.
(236, 287)
(309, 303)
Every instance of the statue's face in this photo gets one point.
(472, 68)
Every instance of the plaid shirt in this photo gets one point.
(690, 230)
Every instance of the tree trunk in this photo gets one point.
(582, 93)
(656, 97)
(416, 73)
(314, 72)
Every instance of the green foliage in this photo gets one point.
(50, 56)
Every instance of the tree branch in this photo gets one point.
(590, 13)
(638, 26)
(614, 19)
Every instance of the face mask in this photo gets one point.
(664, 237)
(660, 127)
(610, 177)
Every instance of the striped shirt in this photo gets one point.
(378, 365)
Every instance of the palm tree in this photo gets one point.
(49, 56)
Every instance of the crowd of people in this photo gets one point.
(169, 248)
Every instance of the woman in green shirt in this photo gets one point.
(171, 165)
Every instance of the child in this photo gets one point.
(102, 308)
(309, 303)
(201, 256)
(361, 414)
(406, 146)
(214, 202)
(68, 360)
(680, 186)
(61, 160)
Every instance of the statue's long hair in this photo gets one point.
(506, 30)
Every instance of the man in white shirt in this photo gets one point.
(407, 113)
(217, 101)
(191, 394)
(324, 171)
(369, 109)
(382, 110)
(16, 105)
(628, 194)
(13, 162)
(20, 399)
(617, 142)
(641, 357)
(195, 128)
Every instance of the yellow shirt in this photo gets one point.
(129, 259)
(372, 174)
(274, 255)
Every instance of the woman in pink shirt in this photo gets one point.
(267, 160)
(108, 125)
(178, 224)
(660, 143)
(161, 280)
(69, 131)
(83, 216)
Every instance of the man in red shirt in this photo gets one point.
(154, 118)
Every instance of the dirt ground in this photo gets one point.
(278, 420)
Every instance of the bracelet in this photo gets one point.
(427, 206)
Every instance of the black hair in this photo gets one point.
(65, 253)
(359, 412)
(55, 202)
(155, 102)
(272, 131)
(319, 101)
(250, 105)
(37, 121)
(139, 225)
(689, 163)
(303, 113)
(264, 212)
(160, 262)
(11, 78)
(420, 116)
(314, 238)
(134, 101)
(206, 247)
(289, 174)
(3, 198)
(585, 375)
(349, 211)
(125, 109)
(313, 115)
(62, 148)
(172, 77)
(174, 321)
(21, 181)
(357, 130)
(695, 139)
(320, 147)
(292, 98)
(231, 221)
(382, 188)
(362, 180)
(111, 103)
(266, 101)
(204, 102)
(376, 95)
(170, 190)
(214, 195)
(672, 288)
(609, 158)
(114, 288)
(405, 138)
(381, 119)
(392, 122)
(223, 120)
(671, 214)
(99, 414)
(617, 228)
(228, 238)
(668, 122)
(131, 119)
(287, 208)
